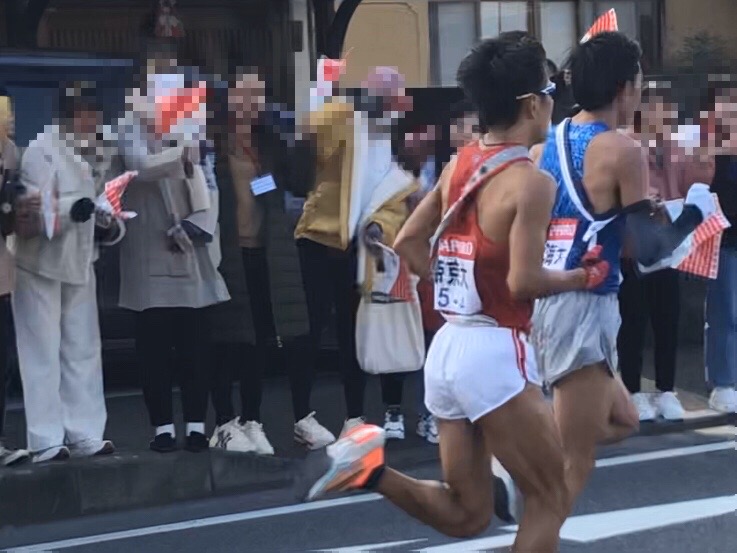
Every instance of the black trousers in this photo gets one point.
(329, 279)
(246, 362)
(654, 297)
(170, 340)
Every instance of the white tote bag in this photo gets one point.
(389, 336)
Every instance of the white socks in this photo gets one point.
(191, 427)
(195, 427)
(166, 428)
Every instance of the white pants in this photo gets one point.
(59, 352)
(472, 370)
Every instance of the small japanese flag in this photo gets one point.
(328, 73)
(607, 22)
(182, 113)
(110, 199)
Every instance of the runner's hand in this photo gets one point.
(596, 268)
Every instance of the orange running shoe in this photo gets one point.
(344, 465)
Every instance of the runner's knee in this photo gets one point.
(470, 524)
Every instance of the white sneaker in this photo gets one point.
(230, 437)
(9, 457)
(351, 423)
(60, 453)
(394, 425)
(723, 400)
(669, 407)
(644, 407)
(427, 427)
(254, 431)
(92, 448)
(311, 433)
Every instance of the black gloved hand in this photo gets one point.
(82, 210)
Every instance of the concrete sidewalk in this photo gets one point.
(135, 477)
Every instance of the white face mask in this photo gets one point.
(161, 84)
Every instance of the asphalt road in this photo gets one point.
(674, 494)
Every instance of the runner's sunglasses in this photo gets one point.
(548, 90)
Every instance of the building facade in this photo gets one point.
(426, 39)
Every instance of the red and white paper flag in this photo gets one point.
(110, 200)
(329, 72)
(182, 113)
(395, 283)
(607, 22)
(703, 254)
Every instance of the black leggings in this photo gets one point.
(654, 297)
(158, 332)
(247, 361)
(329, 279)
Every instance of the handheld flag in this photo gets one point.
(607, 22)
(182, 112)
(110, 199)
(329, 72)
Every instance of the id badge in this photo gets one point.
(263, 184)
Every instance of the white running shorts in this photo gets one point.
(473, 369)
(573, 330)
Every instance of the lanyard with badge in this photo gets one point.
(262, 183)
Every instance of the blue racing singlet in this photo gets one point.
(574, 228)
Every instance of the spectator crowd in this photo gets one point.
(202, 210)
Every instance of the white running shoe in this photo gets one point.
(644, 407)
(394, 425)
(351, 423)
(508, 501)
(254, 431)
(723, 400)
(427, 427)
(669, 407)
(230, 437)
(10, 457)
(311, 433)
(60, 453)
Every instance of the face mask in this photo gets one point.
(161, 84)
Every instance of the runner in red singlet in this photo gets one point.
(487, 221)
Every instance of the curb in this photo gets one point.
(133, 480)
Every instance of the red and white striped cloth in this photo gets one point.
(111, 199)
(607, 22)
(703, 260)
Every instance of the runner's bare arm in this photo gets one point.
(413, 241)
(527, 278)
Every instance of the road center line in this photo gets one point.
(327, 504)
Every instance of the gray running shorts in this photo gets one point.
(574, 330)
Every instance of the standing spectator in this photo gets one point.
(656, 296)
(8, 174)
(464, 125)
(351, 164)
(721, 299)
(55, 302)
(256, 150)
(168, 275)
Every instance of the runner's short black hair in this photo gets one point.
(497, 71)
(601, 67)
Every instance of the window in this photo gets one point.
(456, 25)
(455, 34)
(558, 30)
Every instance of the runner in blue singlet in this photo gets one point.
(602, 191)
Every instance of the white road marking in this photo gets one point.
(481, 544)
(664, 454)
(370, 547)
(327, 504)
